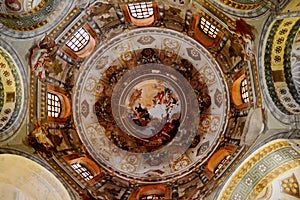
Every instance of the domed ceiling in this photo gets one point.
(151, 104)
(164, 104)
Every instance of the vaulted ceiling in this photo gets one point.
(174, 99)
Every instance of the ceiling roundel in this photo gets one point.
(150, 104)
(12, 94)
(25, 19)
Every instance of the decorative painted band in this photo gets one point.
(31, 20)
(18, 90)
(287, 62)
(268, 69)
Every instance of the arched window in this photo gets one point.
(141, 10)
(54, 105)
(244, 91)
(208, 28)
(84, 172)
(79, 40)
(153, 197)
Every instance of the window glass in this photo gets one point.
(79, 40)
(54, 105)
(208, 28)
(244, 91)
(141, 10)
(84, 172)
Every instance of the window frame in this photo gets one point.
(142, 10)
(84, 172)
(51, 106)
(208, 28)
(244, 91)
(79, 40)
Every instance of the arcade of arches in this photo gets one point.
(149, 100)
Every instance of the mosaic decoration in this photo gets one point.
(262, 167)
(290, 186)
(154, 105)
(12, 92)
(278, 66)
(241, 8)
(34, 21)
(295, 62)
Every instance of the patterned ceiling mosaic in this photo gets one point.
(281, 66)
(263, 167)
(17, 19)
(241, 8)
(11, 96)
(150, 104)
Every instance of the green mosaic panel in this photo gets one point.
(30, 20)
(261, 169)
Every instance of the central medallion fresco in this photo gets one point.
(151, 104)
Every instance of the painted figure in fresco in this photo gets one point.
(39, 139)
(42, 57)
(142, 116)
(13, 5)
(242, 41)
(42, 140)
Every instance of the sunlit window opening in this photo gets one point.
(86, 174)
(54, 105)
(153, 197)
(208, 28)
(79, 40)
(244, 91)
(141, 10)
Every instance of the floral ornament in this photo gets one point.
(90, 85)
(6, 73)
(122, 48)
(248, 181)
(132, 159)
(9, 82)
(49, 8)
(171, 44)
(206, 123)
(237, 197)
(262, 168)
(127, 167)
(90, 130)
(278, 157)
(293, 152)
(193, 53)
(127, 56)
(214, 124)
(35, 18)
(20, 23)
(146, 40)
